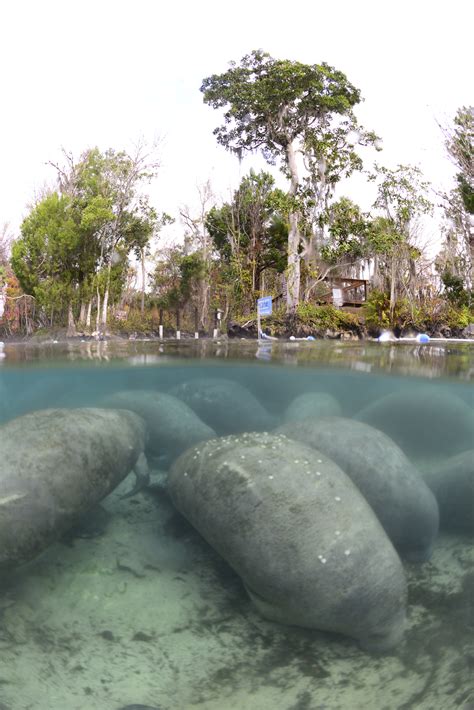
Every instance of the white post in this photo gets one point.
(259, 325)
(178, 335)
(160, 329)
(196, 335)
(214, 334)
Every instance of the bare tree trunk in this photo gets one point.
(97, 319)
(88, 315)
(376, 273)
(393, 276)
(470, 282)
(71, 326)
(294, 238)
(142, 308)
(82, 315)
(105, 302)
(105, 305)
(199, 232)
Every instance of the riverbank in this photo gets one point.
(323, 323)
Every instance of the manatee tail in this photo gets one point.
(142, 476)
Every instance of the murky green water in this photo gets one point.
(271, 588)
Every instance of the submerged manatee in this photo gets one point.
(312, 404)
(56, 464)
(225, 405)
(452, 482)
(388, 481)
(423, 421)
(305, 542)
(172, 425)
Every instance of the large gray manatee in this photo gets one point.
(55, 464)
(425, 421)
(386, 478)
(452, 482)
(225, 405)
(306, 544)
(172, 425)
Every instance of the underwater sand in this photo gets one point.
(147, 613)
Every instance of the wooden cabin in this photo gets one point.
(342, 292)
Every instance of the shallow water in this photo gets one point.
(132, 606)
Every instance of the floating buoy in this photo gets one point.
(422, 338)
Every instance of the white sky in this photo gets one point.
(107, 72)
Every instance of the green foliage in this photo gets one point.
(401, 195)
(456, 256)
(269, 102)
(454, 290)
(46, 258)
(137, 322)
(458, 318)
(250, 233)
(460, 148)
(78, 240)
(280, 107)
(379, 315)
(383, 237)
(326, 317)
(430, 315)
(176, 276)
(349, 230)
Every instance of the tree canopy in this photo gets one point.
(75, 242)
(277, 106)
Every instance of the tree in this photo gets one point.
(275, 106)
(459, 143)
(330, 155)
(197, 238)
(401, 199)
(349, 230)
(76, 241)
(115, 216)
(46, 258)
(458, 252)
(250, 233)
(176, 278)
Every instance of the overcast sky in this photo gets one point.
(107, 72)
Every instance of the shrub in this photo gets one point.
(326, 317)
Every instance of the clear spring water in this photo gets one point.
(132, 608)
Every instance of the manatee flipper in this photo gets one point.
(265, 607)
(142, 476)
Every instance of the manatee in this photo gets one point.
(423, 421)
(291, 523)
(389, 482)
(225, 405)
(452, 482)
(56, 464)
(312, 404)
(4, 402)
(172, 425)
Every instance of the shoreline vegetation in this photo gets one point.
(323, 322)
(90, 256)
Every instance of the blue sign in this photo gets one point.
(264, 306)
